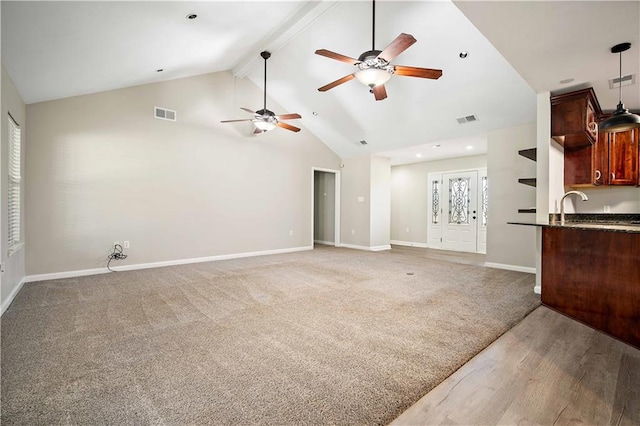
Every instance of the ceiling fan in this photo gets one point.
(263, 119)
(374, 67)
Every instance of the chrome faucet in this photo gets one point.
(580, 193)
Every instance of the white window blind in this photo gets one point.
(14, 185)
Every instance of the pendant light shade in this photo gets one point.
(621, 120)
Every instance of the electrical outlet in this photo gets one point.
(407, 229)
(607, 209)
(291, 232)
(126, 244)
(353, 232)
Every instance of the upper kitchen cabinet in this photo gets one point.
(623, 157)
(611, 161)
(574, 118)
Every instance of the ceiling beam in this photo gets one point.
(306, 15)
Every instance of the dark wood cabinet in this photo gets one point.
(611, 161)
(574, 118)
(623, 158)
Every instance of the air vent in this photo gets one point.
(467, 119)
(164, 114)
(625, 80)
(363, 143)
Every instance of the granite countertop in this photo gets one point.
(629, 223)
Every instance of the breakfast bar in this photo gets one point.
(591, 271)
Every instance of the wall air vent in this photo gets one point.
(625, 80)
(363, 142)
(467, 119)
(164, 114)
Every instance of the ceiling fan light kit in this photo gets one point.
(263, 119)
(373, 71)
(621, 120)
(374, 67)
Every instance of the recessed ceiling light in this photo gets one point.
(315, 113)
(192, 16)
(464, 54)
(159, 70)
(469, 147)
(418, 155)
(567, 80)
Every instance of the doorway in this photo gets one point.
(325, 221)
(457, 211)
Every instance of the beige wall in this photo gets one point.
(100, 168)
(380, 201)
(324, 196)
(512, 245)
(365, 202)
(410, 194)
(355, 214)
(13, 266)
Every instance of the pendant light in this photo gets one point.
(621, 120)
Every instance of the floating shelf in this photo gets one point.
(530, 153)
(531, 210)
(528, 181)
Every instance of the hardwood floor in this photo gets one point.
(547, 370)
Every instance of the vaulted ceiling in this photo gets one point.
(54, 50)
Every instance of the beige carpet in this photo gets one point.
(329, 336)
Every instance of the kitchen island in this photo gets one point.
(591, 271)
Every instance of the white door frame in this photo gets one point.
(336, 230)
(482, 171)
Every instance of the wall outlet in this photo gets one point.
(407, 229)
(607, 209)
(126, 244)
(361, 199)
(353, 232)
(291, 232)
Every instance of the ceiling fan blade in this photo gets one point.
(288, 126)
(397, 46)
(235, 121)
(248, 110)
(417, 72)
(379, 92)
(257, 131)
(336, 83)
(336, 56)
(288, 116)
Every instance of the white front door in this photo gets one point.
(460, 214)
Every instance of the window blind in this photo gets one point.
(14, 184)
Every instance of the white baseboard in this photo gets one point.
(326, 243)
(408, 244)
(84, 272)
(516, 268)
(12, 296)
(372, 248)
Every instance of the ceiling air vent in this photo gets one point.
(467, 119)
(363, 142)
(625, 80)
(164, 114)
